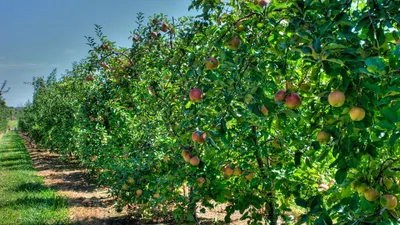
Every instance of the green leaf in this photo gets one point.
(338, 61)
(390, 114)
(393, 138)
(375, 64)
(340, 176)
(301, 202)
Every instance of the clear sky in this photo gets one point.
(40, 35)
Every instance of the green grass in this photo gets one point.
(13, 124)
(23, 197)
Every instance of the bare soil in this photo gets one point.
(89, 204)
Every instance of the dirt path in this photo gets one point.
(87, 204)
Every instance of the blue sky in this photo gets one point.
(40, 35)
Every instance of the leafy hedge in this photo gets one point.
(4, 110)
(136, 118)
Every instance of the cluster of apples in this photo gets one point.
(139, 191)
(193, 160)
(292, 100)
(236, 171)
(336, 99)
(371, 194)
(164, 28)
(200, 138)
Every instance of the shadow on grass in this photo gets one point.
(31, 187)
(43, 203)
(16, 165)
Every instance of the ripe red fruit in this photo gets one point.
(195, 136)
(156, 196)
(336, 98)
(323, 137)
(228, 171)
(155, 21)
(234, 43)
(88, 78)
(164, 27)
(237, 171)
(280, 96)
(211, 63)
(389, 201)
(371, 194)
(196, 95)
(249, 176)
(293, 100)
(357, 114)
(263, 3)
(105, 47)
(154, 34)
(104, 65)
(194, 161)
(200, 138)
(201, 181)
(186, 155)
(264, 110)
(139, 192)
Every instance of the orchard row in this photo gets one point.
(278, 110)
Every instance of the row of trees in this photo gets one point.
(5, 111)
(265, 106)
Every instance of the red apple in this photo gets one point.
(196, 95)
(139, 192)
(371, 194)
(234, 43)
(280, 96)
(263, 3)
(323, 137)
(155, 21)
(228, 171)
(211, 63)
(164, 27)
(201, 181)
(389, 201)
(89, 78)
(293, 100)
(105, 47)
(202, 138)
(156, 196)
(336, 98)
(249, 175)
(154, 34)
(264, 110)
(237, 171)
(357, 114)
(186, 155)
(195, 136)
(104, 65)
(194, 161)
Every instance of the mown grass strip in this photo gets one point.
(23, 197)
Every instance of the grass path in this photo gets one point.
(23, 197)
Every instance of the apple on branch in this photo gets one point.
(196, 95)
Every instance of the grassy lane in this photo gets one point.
(23, 198)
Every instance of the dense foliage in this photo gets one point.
(194, 102)
(4, 110)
